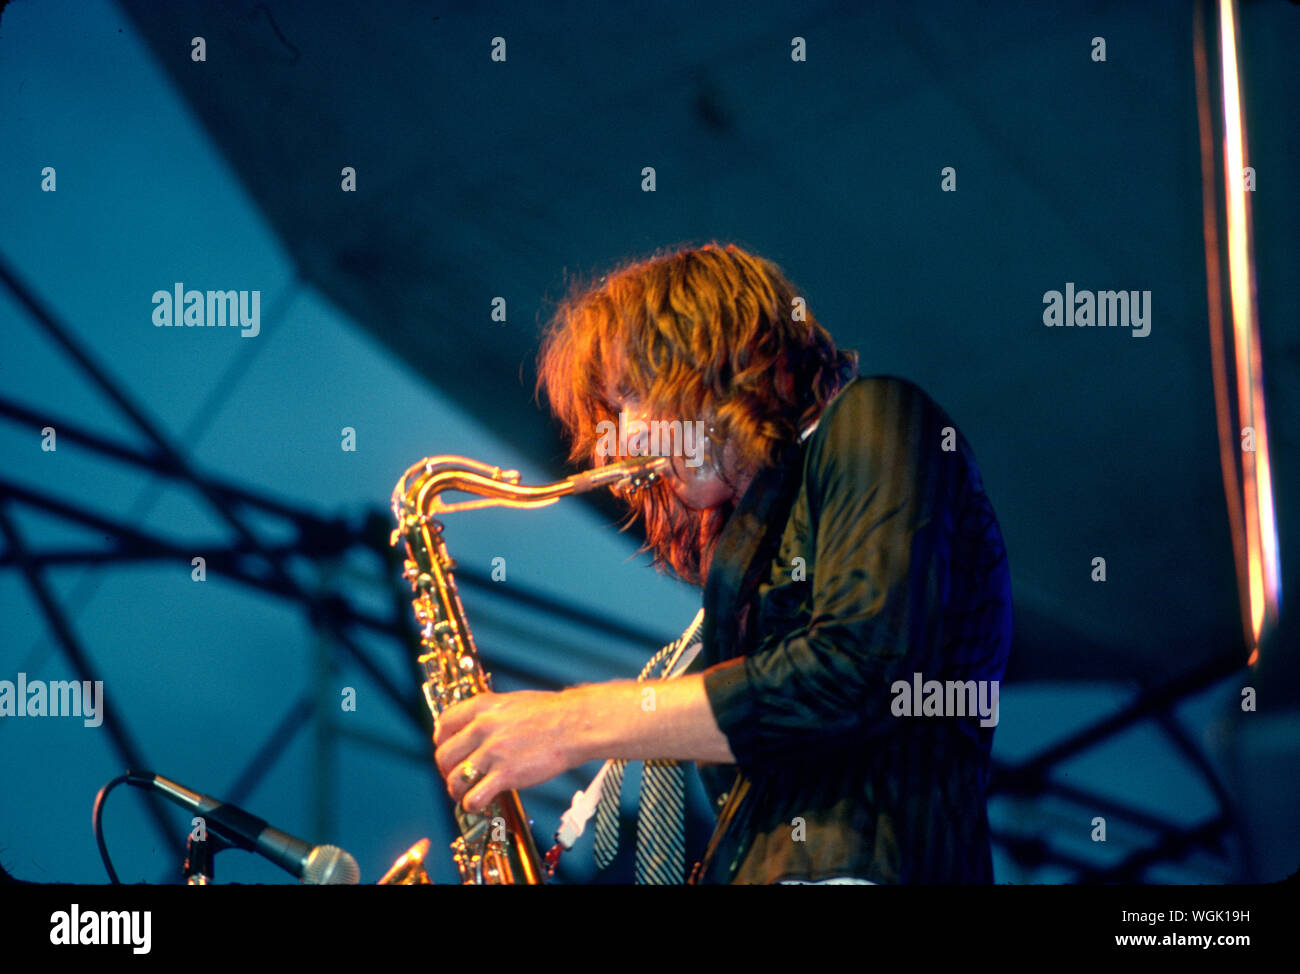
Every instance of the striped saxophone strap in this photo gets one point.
(661, 817)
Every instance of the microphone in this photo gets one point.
(316, 865)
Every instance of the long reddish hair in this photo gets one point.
(712, 333)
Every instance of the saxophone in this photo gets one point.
(495, 846)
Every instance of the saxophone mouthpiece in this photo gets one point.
(633, 473)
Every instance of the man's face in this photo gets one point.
(698, 487)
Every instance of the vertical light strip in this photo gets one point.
(1263, 574)
(1215, 284)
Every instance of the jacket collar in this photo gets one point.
(745, 549)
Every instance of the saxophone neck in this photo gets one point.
(419, 492)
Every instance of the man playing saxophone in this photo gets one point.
(843, 542)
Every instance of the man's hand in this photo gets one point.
(512, 741)
(516, 740)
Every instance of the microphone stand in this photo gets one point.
(200, 858)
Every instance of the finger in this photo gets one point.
(479, 797)
(457, 784)
(456, 748)
(454, 718)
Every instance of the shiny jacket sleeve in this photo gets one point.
(880, 491)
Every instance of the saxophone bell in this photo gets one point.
(409, 869)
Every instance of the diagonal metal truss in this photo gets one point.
(1033, 778)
